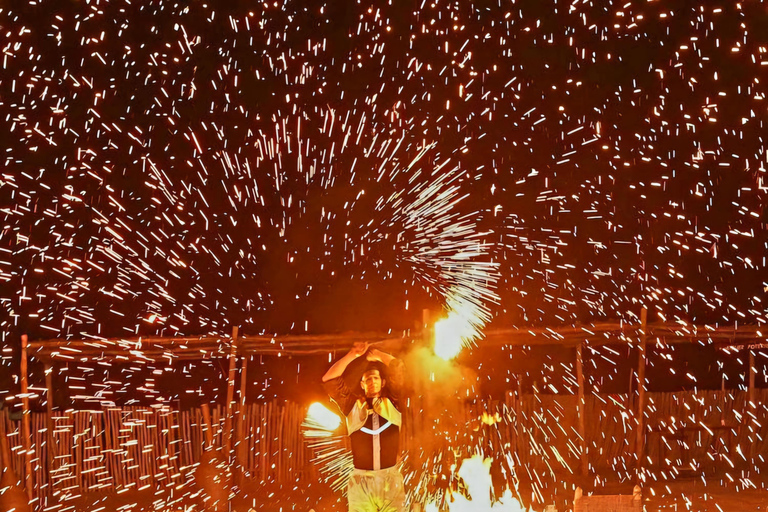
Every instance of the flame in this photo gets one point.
(322, 418)
(452, 334)
(467, 315)
(476, 473)
(491, 419)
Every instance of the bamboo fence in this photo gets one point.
(140, 448)
(134, 448)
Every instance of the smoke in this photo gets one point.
(441, 427)
(442, 388)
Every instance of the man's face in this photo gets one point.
(372, 383)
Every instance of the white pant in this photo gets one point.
(376, 491)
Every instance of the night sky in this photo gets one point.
(308, 167)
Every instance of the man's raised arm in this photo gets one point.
(337, 370)
(378, 355)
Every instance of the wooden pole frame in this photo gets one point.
(752, 400)
(237, 351)
(641, 361)
(49, 440)
(195, 347)
(240, 441)
(49, 388)
(205, 409)
(230, 393)
(580, 406)
(243, 379)
(752, 372)
(26, 435)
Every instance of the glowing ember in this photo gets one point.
(448, 336)
(322, 418)
(455, 332)
(476, 474)
(490, 419)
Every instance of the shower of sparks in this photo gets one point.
(334, 458)
(434, 471)
(154, 186)
(173, 169)
(163, 162)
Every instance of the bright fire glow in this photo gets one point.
(476, 473)
(452, 334)
(321, 417)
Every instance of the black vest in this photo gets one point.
(376, 445)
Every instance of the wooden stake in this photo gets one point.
(26, 439)
(243, 380)
(241, 410)
(5, 452)
(752, 371)
(49, 388)
(641, 360)
(266, 413)
(279, 436)
(580, 409)
(230, 393)
(207, 427)
(49, 441)
(218, 435)
(253, 440)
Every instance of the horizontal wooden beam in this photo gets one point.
(189, 347)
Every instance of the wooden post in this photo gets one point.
(5, 452)
(243, 380)
(230, 394)
(752, 371)
(241, 410)
(49, 441)
(751, 405)
(641, 359)
(207, 427)
(581, 404)
(49, 388)
(428, 338)
(26, 438)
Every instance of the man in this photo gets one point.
(373, 425)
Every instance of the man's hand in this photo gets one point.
(337, 370)
(358, 349)
(377, 355)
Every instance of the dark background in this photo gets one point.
(613, 156)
